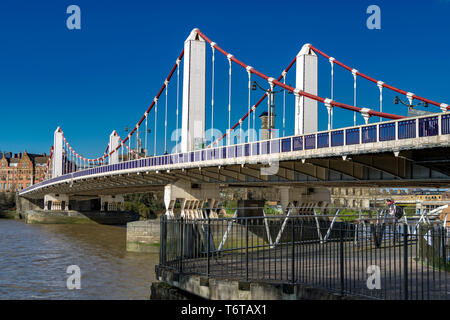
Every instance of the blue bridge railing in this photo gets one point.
(425, 126)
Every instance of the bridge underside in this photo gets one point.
(409, 168)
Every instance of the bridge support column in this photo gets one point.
(111, 203)
(306, 119)
(193, 115)
(113, 144)
(57, 165)
(192, 199)
(299, 197)
(213, 205)
(288, 197)
(170, 206)
(56, 202)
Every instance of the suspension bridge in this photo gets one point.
(386, 150)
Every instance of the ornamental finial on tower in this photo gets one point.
(194, 35)
(306, 50)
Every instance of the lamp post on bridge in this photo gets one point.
(271, 108)
(138, 144)
(410, 105)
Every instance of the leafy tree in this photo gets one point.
(145, 204)
(7, 200)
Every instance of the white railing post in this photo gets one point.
(378, 132)
(396, 130)
(417, 127)
(360, 135)
(440, 124)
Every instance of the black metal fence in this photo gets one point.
(369, 258)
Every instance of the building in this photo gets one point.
(18, 171)
(446, 196)
(354, 198)
(267, 129)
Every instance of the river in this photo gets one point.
(34, 260)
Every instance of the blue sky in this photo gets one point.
(104, 76)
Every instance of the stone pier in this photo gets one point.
(62, 209)
(143, 236)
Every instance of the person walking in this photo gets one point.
(390, 210)
(392, 215)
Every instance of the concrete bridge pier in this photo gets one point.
(213, 206)
(112, 203)
(294, 197)
(192, 199)
(289, 197)
(190, 209)
(23, 205)
(69, 209)
(56, 202)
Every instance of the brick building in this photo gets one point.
(18, 171)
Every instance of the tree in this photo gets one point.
(145, 204)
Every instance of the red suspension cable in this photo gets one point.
(254, 107)
(151, 105)
(299, 92)
(376, 81)
(48, 161)
(123, 142)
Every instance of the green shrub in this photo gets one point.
(145, 204)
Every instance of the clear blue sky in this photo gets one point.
(104, 76)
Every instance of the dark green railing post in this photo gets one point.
(181, 243)
(405, 261)
(208, 247)
(341, 257)
(162, 240)
(293, 251)
(444, 249)
(246, 249)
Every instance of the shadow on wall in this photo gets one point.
(76, 217)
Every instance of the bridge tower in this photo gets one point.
(113, 144)
(193, 114)
(306, 119)
(57, 165)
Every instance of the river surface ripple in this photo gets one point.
(34, 260)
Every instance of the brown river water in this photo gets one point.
(34, 261)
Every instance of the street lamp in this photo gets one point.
(271, 111)
(410, 106)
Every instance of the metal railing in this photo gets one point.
(367, 257)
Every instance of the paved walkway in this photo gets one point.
(318, 265)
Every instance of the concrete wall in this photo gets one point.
(23, 204)
(163, 291)
(143, 236)
(226, 289)
(75, 217)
